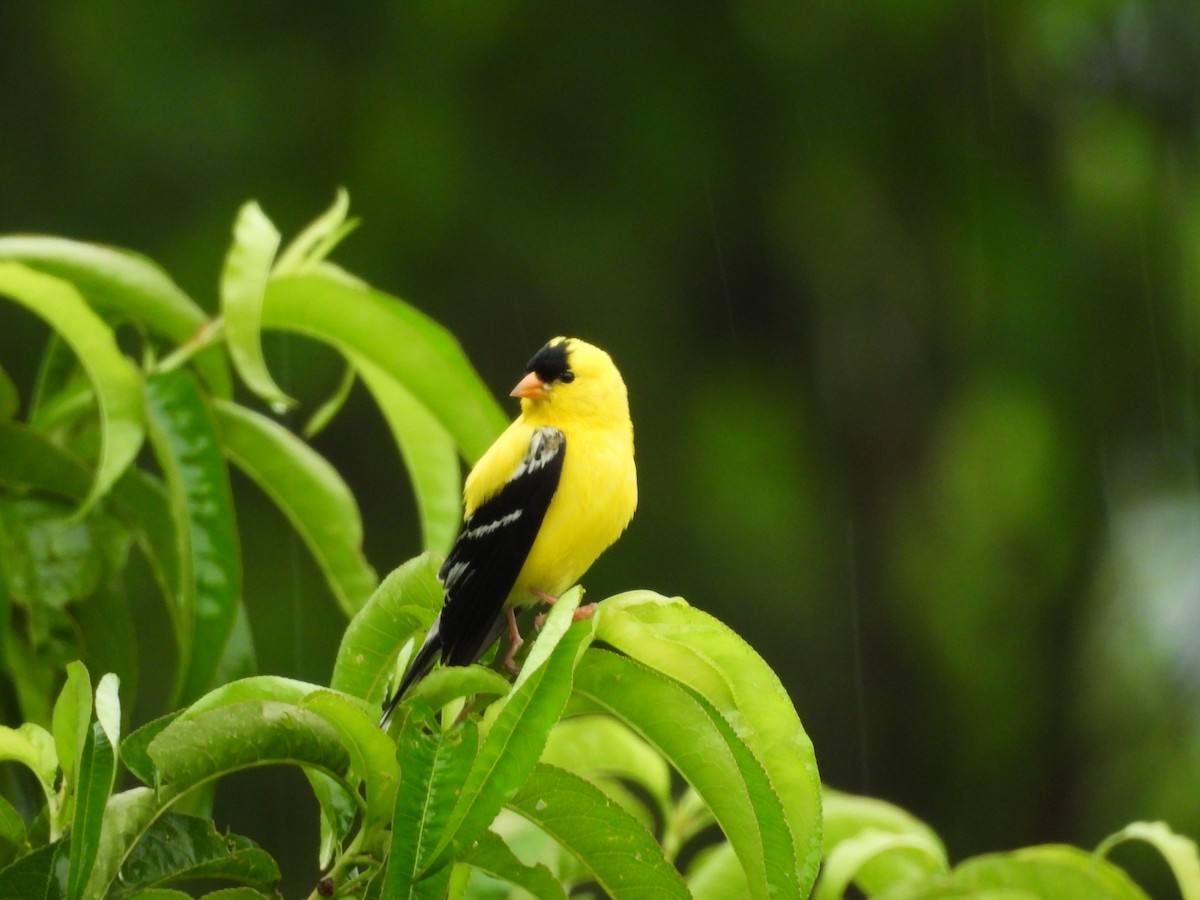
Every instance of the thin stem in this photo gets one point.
(206, 335)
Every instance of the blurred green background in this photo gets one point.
(907, 296)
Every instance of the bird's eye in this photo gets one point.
(567, 377)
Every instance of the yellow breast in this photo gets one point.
(594, 502)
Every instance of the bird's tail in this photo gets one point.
(421, 664)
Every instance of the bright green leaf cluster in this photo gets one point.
(644, 752)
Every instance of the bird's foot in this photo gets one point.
(515, 642)
(544, 597)
(582, 612)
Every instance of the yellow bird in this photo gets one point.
(546, 499)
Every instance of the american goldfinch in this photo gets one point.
(546, 499)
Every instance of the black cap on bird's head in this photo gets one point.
(549, 366)
(572, 379)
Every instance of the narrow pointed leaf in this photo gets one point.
(706, 655)
(413, 349)
(434, 766)
(324, 413)
(309, 492)
(119, 284)
(318, 238)
(491, 855)
(517, 727)
(614, 847)
(1179, 851)
(428, 451)
(72, 716)
(706, 751)
(185, 441)
(97, 773)
(401, 608)
(243, 284)
(114, 378)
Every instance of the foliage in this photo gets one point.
(564, 780)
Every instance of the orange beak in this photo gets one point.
(530, 388)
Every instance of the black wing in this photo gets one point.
(486, 559)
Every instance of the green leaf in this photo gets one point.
(706, 751)
(29, 460)
(108, 707)
(119, 284)
(698, 650)
(256, 687)
(309, 492)
(178, 847)
(192, 751)
(447, 683)
(10, 400)
(243, 284)
(402, 607)
(616, 849)
(51, 559)
(141, 502)
(876, 860)
(72, 716)
(372, 753)
(185, 441)
(324, 413)
(41, 874)
(717, 872)
(1048, 871)
(872, 863)
(318, 238)
(133, 749)
(113, 377)
(97, 774)
(12, 833)
(338, 812)
(238, 660)
(1180, 852)
(33, 747)
(517, 726)
(434, 766)
(491, 855)
(126, 818)
(599, 745)
(428, 451)
(416, 351)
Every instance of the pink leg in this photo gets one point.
(514, 642)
